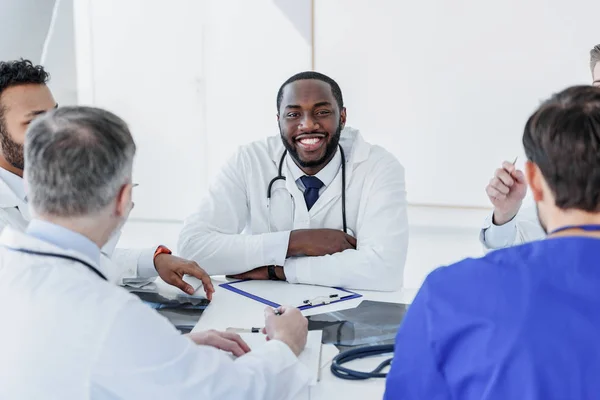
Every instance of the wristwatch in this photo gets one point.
(161, 250)
(271, 272)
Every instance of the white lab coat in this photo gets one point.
(14, 212)
(524, 227)
(231, 234)
(67, 334)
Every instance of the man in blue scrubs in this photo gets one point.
(523, 322)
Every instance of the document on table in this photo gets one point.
(276, 293)
(310, 357)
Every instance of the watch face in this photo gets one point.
(271, 273)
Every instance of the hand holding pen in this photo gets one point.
(286, 324)
(506, 191)
(290, 327)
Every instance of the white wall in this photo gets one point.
(60, 56)
(194, 80)
(144, 61)
(24, 27)
(448, 85)
(252, 47)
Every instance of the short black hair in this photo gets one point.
(563, 139)
(21, 72)
(335, 88)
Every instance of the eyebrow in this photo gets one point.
(320, 104)
(35, 113)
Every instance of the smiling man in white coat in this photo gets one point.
(68, 333)
(24, 96)
(511, 224)
(315, 204)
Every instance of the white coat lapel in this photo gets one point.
(300, 210)
(7, 197)
(281, 207)
(16, 209)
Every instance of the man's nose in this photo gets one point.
(308, 123)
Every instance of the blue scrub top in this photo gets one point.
(521, 323)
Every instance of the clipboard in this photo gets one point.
(278, 293)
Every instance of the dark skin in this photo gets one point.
(309, 113)
(22, 104)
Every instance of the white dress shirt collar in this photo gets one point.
(64, 238)
(326, 175)
(15, 183)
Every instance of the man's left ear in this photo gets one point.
(343, 117)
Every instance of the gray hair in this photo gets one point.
(76, 161)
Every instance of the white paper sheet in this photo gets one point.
(288, 294)
(310, 357)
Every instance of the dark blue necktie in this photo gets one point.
(311, 193)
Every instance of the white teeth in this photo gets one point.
(310, 140)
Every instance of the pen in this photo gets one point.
(244, 330)
(331, 296)
(513, 164)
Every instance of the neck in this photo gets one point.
(573, 218)
(9, 167)
(86, 226)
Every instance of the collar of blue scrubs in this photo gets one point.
(64, 238)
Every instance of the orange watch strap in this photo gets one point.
(162, 250)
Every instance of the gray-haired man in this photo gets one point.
(23, 97)
(97, 340)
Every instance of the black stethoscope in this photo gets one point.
(282, 177)
(361, 352)
(62, 256)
